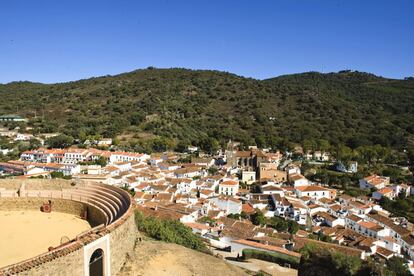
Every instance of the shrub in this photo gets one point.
(274, 257)
(171, 231)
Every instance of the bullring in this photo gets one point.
(103, 212)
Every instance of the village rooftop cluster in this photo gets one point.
(213, 194)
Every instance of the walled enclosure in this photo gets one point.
(110, 212)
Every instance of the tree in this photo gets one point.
(136, 118)
(343, 153)
(258, 218)
(212, 170)
(60, 141)
(56, 174)
(169, 231)
(320, 261)
(34, 144)
(323, 145)
(293, 226)
(210, 145)
(309, 144)
(397, 266)
(101, 161)
(280, 224)
(346, 265)
(182, 146)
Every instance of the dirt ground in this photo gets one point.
(25, 234)
(273, 269)
(164, 259)
(256, 266)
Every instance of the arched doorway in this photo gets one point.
(96, 263)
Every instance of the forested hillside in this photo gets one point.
(206, 108)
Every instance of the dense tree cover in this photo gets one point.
(402, 206)
(354, 103)
(61, 141)
(397, 267)
(169, 231)
(319, 261)
(207, 108)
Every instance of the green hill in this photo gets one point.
(210, 107)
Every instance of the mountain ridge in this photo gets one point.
(205, 107)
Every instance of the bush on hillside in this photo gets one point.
(274, 257)
(171, 231)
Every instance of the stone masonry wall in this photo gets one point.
(36, 184)
(69, 261)
(122, 242)
(95, 217)
(69, 265)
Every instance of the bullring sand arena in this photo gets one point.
(64, 227)
(29, 233)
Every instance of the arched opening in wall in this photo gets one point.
(96, 263)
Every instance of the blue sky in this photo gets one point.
(56, 41)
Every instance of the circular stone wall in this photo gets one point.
(108, 209)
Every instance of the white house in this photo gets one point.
(105, 142)
(297, 211)
(390, 244)
(374, 181)
(329, 220)
(298, 180)
(384, 192)
(292, 169)
(189, 172)
(248, 177)
(366, 228)
(94, 169)
(5, 151)
(127, 157)
(165, 166)
(315, 192)
(186, 185)
(227, 204)
(66, 169)
(74, 156)
(229, 187)
(402, 188)
(23, 137)
(272, 189)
